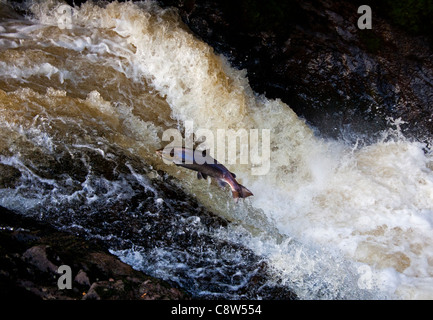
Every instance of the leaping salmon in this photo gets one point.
(205, 166)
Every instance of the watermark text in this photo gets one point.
(227, 146)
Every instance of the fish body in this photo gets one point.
(205, 166)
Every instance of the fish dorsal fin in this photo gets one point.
(234, 176)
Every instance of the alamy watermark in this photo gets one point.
(365, 280)
(65, 280)
(65, 15)
(251, 150)
(365, 21)
(230, 146)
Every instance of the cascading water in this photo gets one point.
(86, 95)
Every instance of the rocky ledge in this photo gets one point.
(312, 55)
(31, 253)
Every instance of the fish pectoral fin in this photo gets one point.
(221, 183)
(201, 175)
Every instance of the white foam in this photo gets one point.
(20, 72)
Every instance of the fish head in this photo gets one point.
(167, 153)
(176, 155)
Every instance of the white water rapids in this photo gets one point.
(332, 220)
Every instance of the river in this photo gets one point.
(87, 94)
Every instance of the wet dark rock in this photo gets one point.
(37, 257)
(312, 55)
(8, 176)
(82, 278)
(31, 252)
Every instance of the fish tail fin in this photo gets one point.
(245, 192)
(241, 192)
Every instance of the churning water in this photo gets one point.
(86, 94)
